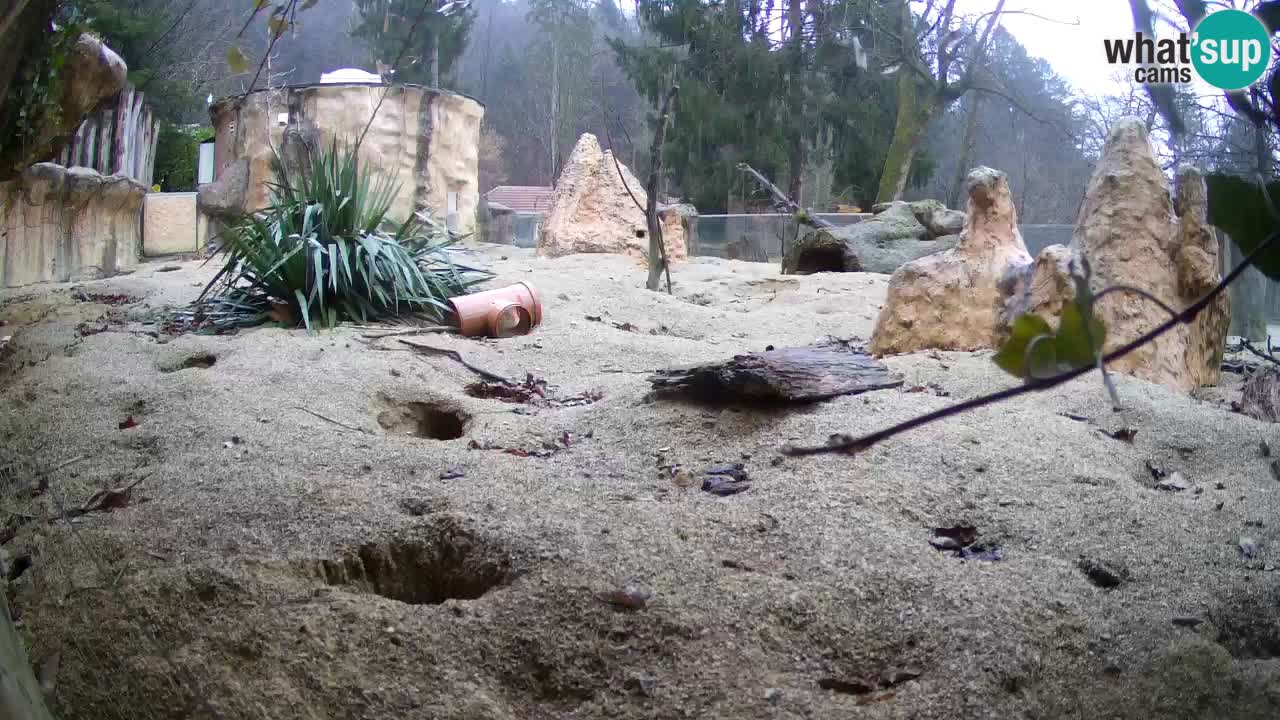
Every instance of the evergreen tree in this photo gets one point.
(425, 40)
(778, 87)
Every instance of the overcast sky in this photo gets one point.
(1074, 48)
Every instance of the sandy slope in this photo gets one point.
(267, 572)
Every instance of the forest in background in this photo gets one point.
(810, 92)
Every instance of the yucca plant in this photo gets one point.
(325, 251)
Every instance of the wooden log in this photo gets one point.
(788, 375)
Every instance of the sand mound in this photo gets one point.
(325, 528)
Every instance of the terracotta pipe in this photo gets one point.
(501, 312)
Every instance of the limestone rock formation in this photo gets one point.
(427, 140)
(955, 300)
(92, 71)
(679, 226)
(1134, 234)
(880, 244)
(59, 224)
(224, 198)
(592, 211)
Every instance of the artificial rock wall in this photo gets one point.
(427, 139)
(62, 224)
(598, 208)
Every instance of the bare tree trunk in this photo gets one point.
(795, 150)
(657, 249)
(488, 49)
(555, 107)
(966, 151)
(908, 129)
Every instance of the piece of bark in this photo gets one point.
(1260, 396)
(803, 374)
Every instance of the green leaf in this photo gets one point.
(1012, 357)
(278, 24)
(1238, 208)
(237, 61)
(1075, 347)
(1035, 352)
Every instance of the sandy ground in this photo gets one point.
(291, 551)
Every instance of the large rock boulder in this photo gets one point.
(880, 244)
(92, 71)
(937, 220)
(592, 211)
(1134, 234)
(224, 198)
(955, 300)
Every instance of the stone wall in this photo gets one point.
(63, 224)
(171, 225)
(426, 139)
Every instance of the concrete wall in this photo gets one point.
(63, 224)
(171, 224)
(427, 139)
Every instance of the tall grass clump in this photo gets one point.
(325, 251)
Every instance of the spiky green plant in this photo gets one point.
(326, 248)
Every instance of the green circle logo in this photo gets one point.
(1232, 49)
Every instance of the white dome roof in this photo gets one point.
(349, 75)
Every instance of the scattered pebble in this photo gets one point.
(945, 543)
(724, 479)
(723, 485)
(640, 685)
(1173, 483)
(961, 542)
(629, 598)
(1248, 548)
(682, 477)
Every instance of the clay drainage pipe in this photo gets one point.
(499, 313)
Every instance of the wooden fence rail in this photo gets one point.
(119, 137)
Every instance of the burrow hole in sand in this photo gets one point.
(202, 361)
(448, 564)
(818, 260)
(425, 420)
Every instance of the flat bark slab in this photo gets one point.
(1260, 396)
(803, 374)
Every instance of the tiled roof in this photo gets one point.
(522, 198)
